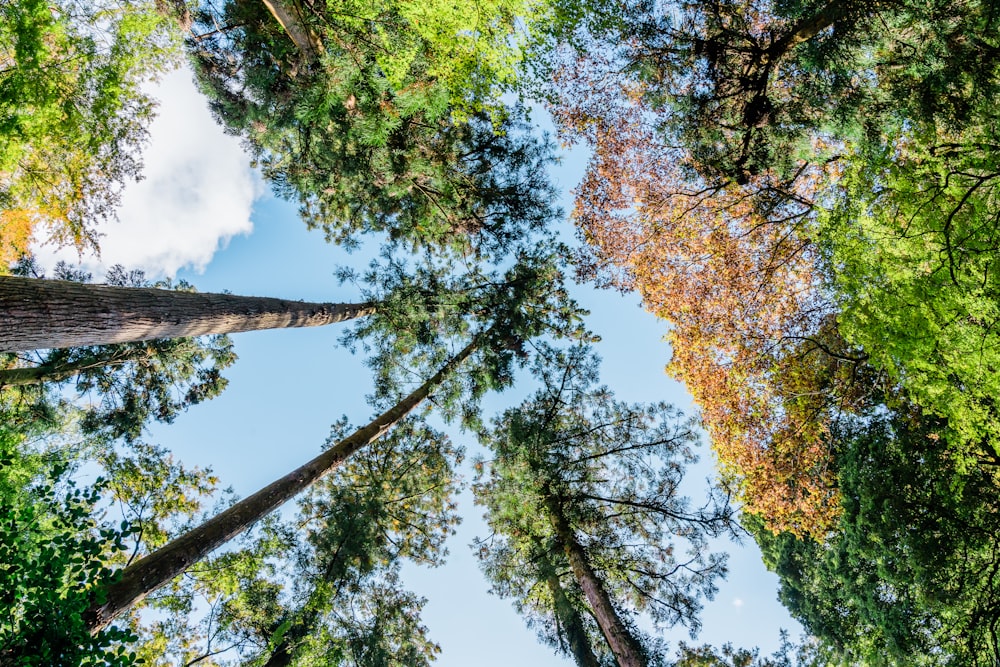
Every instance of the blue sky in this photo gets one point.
(202, 215)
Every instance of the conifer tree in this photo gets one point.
(589, 528)
(394, 129)
(531, 301)
(326, 582)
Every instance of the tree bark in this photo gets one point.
(569, 618)
(160, 567)
(12, 377)
(624, 646)
(807, 28)
(290, 18)
(49, 314)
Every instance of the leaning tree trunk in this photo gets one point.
(48, 314)
(624, 646)
(43, 373)
(160, 567)
(289, 16)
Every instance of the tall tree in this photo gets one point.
(520, 310)
(44, 314)
(585, 488)
(127, 384)
(387, 132)
(325, 583)
(734, 271)
(158, 568)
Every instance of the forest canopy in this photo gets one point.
(806, 192)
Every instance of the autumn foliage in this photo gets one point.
(15, 235)
(730, 267)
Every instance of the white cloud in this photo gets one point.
(197, 192)
(737, 602)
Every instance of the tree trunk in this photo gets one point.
(49, 314)
(43, 373)
(160, 567)
(290, 18)
(624, 646)
(807, 28)
(569, 617)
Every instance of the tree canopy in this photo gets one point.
(795, 186)
(806, 191)
(589, 530)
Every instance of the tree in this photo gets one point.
(521, 308)
(73, 113)
(429, 290)
(158, 568)
(325, 583)
(908, 576)
(126, 384)
(731, 266)
(735, 273)
(386, 132)
(44, 314)
(582, 498)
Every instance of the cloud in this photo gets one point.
(737, 602)
(197, 192)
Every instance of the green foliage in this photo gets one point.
(367, 145)
(430, 307)
(470, 50)
(908, 578)
(911, 243)
(54, 555)
(72, 112)
(325, 586)
(611, 472)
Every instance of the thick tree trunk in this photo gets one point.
(48, 314)
(158, 568)
(624, 646)
(290, 18)
(572, 623)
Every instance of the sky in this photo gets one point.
(202, 214)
